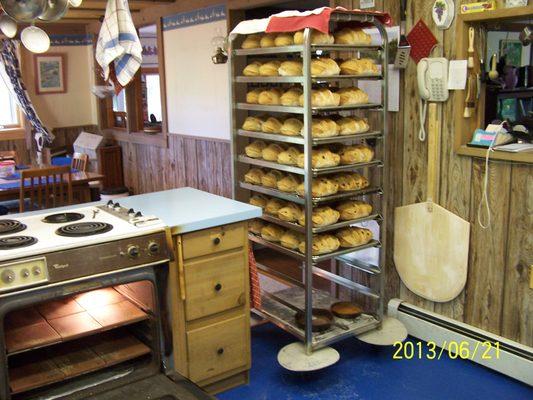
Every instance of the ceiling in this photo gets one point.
(93, 10)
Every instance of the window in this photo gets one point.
(9, 111)
(152, 104)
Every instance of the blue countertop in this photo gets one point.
(187, 209)
(183, 210)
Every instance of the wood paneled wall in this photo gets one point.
(497, 297)
(204, 164)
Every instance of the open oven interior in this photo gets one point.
(81, 336)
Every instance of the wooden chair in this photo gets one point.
(79, 161)
(9, 155)
(48, 187)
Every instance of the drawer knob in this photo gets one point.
(220, 351)
(218, 287)
(216, 241)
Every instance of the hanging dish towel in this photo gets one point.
(118, 50)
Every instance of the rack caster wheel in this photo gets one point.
(391, 331)
(294, 358)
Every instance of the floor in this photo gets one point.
(367, 372)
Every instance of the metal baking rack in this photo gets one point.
(280, 307)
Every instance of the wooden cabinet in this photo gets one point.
(211, 311)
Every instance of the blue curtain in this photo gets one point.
(12, 77)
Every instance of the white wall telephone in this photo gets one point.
(432, 77)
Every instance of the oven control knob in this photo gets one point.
(138, 214)
(117, 206)
(36, 271)
(25, 273)
(8, 276)
(131, 211)
(110, 204)
(153, 247)
(133, 251)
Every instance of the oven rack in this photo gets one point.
(302, 110)
(281, 307)
(295, 198)
(376, 172)
(300, 79)
(300, 171)
(315, 141)
(320, 229)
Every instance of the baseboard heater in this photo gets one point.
(515, 359)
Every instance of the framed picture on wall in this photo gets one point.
(513, 50)
(50, 73)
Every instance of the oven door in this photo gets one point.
(157, 387)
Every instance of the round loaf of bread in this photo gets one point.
(321, 187)
(271, 152)
(252, 96)
(324, 127)
(273, 205)
(353, 209)
(252, 69)
(269, 68)
(322, 98)
(358, 153)
(322, 216)
(291, 240)
(352, 126)
(290, 68)
(321, 158)
(254, 176)
(272, 233)
(284, 39)
(267, 40)
(289, 156)
(352, 96)
(271, 125)
(290, 213)
(288, 184)
(255, 149)
(255, 226)
(322, 244)
(353, 37)
(291, 97)
(354, 66)
(349, 181)
(271, 178)
(317, 37)
(270, 97)
(258, 200)
(251, 41)
(292, 127)
(353, 236)
(324, 67)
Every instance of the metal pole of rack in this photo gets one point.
(233, 122)
(308, 183)
(385, 168)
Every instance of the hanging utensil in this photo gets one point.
(404, 47)
(23, 10)
(54, 10)
(471, 33)
(35, 39)
(8, 26)
(431, 243)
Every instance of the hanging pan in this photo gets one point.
(54, 10)
(23, 10)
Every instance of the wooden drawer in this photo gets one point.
(208, 241)
(214, 284)
(217, 348)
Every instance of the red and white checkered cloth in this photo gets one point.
(255, 290)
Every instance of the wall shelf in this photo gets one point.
(527, 158)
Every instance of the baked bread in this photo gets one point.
(321, 187)
(353, 209)
(269, 97)
(322, 244)
(360, 66)
(283, 39)
(271, 152)
(272, 233)
(255, 149)
(254, 176)
(324, 127)
(351, 36)
(290, 68)
(251, 42)
(322, 216)
(252, 69)
(290, 213)
(271, 125)
(321, 158)
(353, 236)
(324, 67)
(291, 97)
(291, 240)
(258, 200)
(317, 37)
(253, 96)
(349, 181)
(322, 98)
(255, 226)
(252, 124)
(358, 153)
(273, 205)
(352, 126)
(271, 178)
(352, 96)
(267, 40)
(269, 68)
(292, 127)
(289, 156)
(288, 184)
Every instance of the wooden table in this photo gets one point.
(80, 186)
